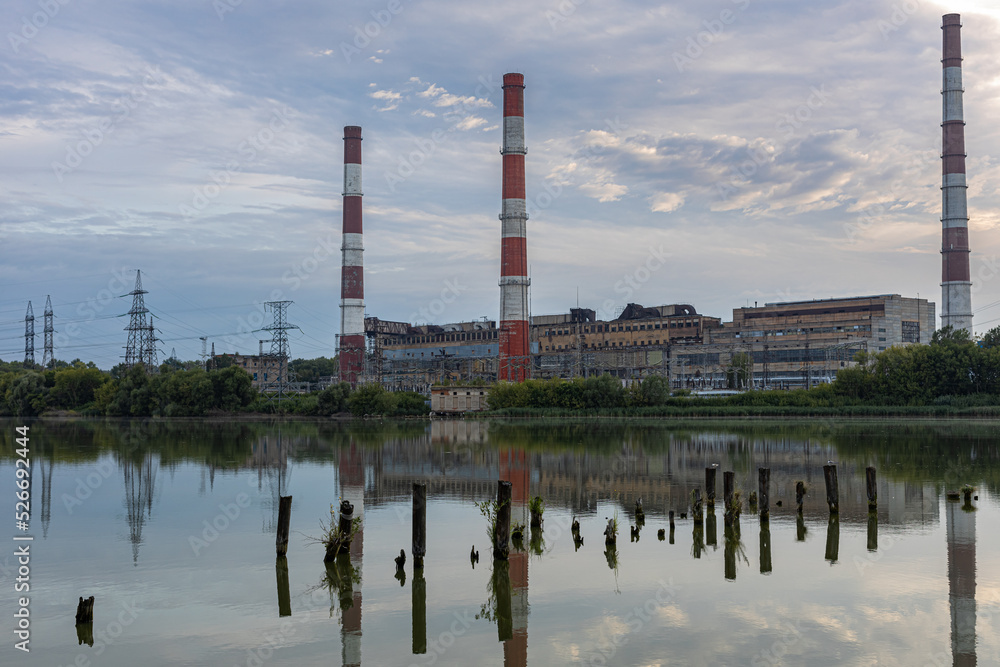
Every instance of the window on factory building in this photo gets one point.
(254, 377)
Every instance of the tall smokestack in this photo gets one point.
(515, 359)
(352, 279)
(956, 283)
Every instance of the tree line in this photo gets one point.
(182, 389)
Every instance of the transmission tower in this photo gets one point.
(29, 337)
(140, 347)
(277, 386)
(47, 355)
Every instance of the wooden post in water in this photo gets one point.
(763, 491)
(284, 518)
(418, 605)
(85, 611)
(800, 491)
(765, 547)
(698, 518)
(501, 532)
(710, 485)
(346, 520)
(832, 492)
(728, 486)
(284, 596)
(671, 526)
(419, 547)
(800, 528)
(871, 488)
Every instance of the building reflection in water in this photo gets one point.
(961, 530)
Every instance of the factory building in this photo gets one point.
(777, 345)
(800, 343)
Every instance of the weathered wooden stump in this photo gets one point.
(800, 528)
(418, 548)
(710, 486)
(610, 535)
(696, 505)
(640, 515)
(501, 532)
(284, 518)
(346, 521)
(661, 534)
(832, 491)
(872, 488)
(800, 491)
(85, 610)
(764, 492)
(728, 486)
(671, 526)
(537, 507)
(284, 595)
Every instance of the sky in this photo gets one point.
(718, 153)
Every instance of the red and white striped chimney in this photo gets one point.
(515, 359)
(352, 279)
(956, 281)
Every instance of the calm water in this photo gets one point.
(172, 527)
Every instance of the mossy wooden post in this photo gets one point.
(800, 491)
(419, 547)
(284, 518)
(536, 507)
(346, 520)
(696, 509)
(501, 531)
(710, 486)
(728, 488)
(763, 492)
(284, 596)
(418, 606)
(871, 488)
(833, 538)
(832, 492)
(85, 611)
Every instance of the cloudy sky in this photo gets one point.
(711, 152)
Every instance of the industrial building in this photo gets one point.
(779, 345)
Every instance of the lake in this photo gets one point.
(171, 526)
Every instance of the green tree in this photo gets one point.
(372, 399)
(333, 399)
(991, 338)
(26, 395)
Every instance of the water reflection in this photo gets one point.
(961, 532)
(139, 482)
(576, 469)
